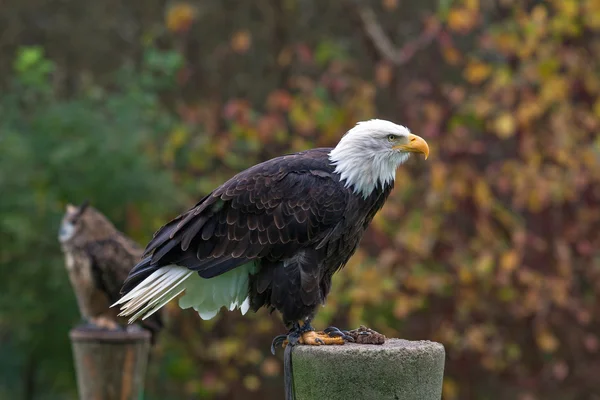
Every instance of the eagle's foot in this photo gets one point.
(279, 340)
(332, 331)
(313, 338)
(306, 334)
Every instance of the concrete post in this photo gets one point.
(397, 370)
(110, 365)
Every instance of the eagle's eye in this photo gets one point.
(392, 138)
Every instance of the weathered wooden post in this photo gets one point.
(110, 365)
(396, 370)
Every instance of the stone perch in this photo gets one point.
(396, 370)
(110, 365)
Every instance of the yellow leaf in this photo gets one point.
(591, 5)
(554, 90)
(251, 382)
(178, 137)
(547, 341)
(505, 125)
(597, 108)
(548, 68)
(509, 260)
(465, 276)
(240, 41)
(477, 71)
(438, 177)
(485, 264)
(482, 194)
(528, 112)
(451, 55)
(591, 14)
(180, 17)
(461, 19)
(507, 42)
(568, 8)
(513, 351)
(472, 5)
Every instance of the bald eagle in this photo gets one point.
(273, 235)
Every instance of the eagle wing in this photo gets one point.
(270, 211)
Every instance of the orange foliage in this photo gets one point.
(180, 17)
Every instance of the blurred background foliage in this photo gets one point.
(491, 247)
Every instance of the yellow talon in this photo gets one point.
(313, 338)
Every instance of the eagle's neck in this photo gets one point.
(364, 170)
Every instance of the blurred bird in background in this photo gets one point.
(98, 259)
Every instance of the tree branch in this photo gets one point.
(383, 44)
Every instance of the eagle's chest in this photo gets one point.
(358, 217)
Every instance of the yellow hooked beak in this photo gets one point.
(416, 144)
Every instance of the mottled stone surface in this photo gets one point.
(396, 370)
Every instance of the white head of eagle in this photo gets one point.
(369, 154)
(273, 235)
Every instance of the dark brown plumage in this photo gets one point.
(98, 259)
(290, 215)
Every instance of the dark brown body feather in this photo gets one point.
(290, 215)
(98, 259)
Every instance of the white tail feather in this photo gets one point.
(154, 292)
(206, 296)
(160, 287)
